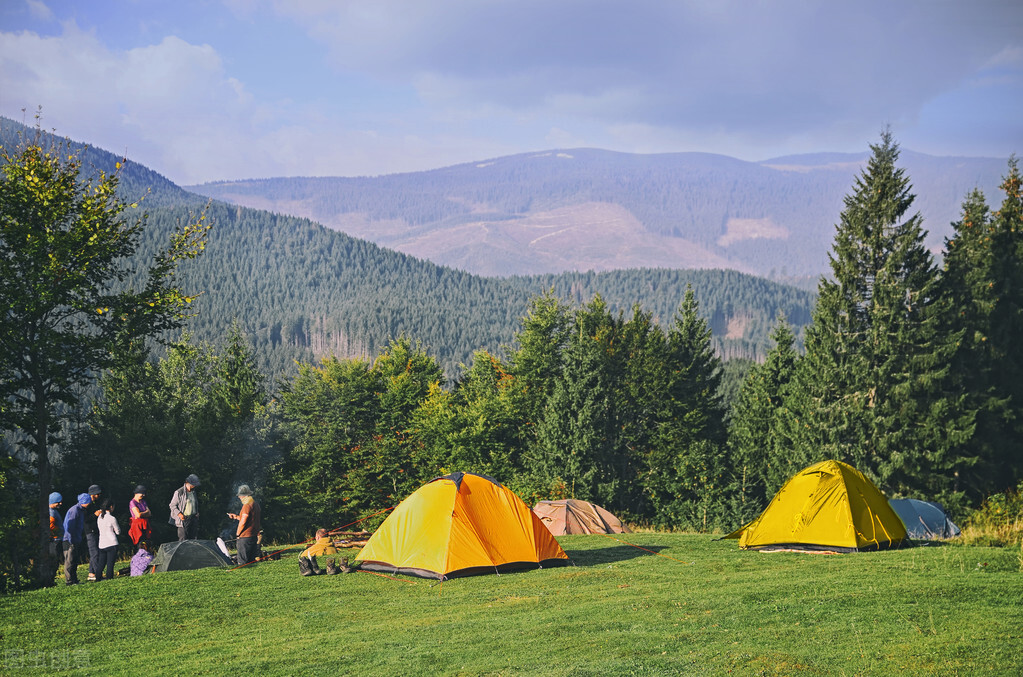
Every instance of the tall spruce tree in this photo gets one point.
(686, 471)
(983, 280)
(578, 438)
(870, 389)
(1007, 328)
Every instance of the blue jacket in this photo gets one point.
(74, 524)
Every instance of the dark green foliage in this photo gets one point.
(759, 462)
(871, 387)
(686, 467)
(18, 546)
(344, 436)
(983, 281)
(75, 295)
(579, 437)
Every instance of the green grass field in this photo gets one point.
(702, 607)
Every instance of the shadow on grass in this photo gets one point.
(614, 553)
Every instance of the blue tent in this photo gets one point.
(925, 521)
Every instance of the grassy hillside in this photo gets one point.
(697, 607)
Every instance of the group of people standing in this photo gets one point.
(90, 524)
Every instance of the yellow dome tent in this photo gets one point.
(828, 506)
(460, 525)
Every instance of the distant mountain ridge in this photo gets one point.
(302, 292)
(587, 209)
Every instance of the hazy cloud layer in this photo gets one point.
(256, 88)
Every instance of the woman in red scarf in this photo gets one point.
(139, 531)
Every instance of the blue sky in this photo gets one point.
(202, 90)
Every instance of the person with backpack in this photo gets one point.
(92, 532)
(56, 526)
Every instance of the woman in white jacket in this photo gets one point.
(109, 530)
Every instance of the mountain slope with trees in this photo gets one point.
(300, 291)
(585, 209)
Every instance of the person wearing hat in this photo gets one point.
(248, 525)
(56, 525)
(74, 525)
(92, 532)
(184, 509)
(139, 530)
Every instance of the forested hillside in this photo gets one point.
(585, 209)
(301, 292)
(137, 182)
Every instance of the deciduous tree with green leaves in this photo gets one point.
(73, 295)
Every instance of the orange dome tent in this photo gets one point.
(460, 525)
(572, 516)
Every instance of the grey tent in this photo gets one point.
(925, 521)
(181, 555)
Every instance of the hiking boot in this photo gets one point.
(332, 568)
(316, 567)
(305, 567)
(345, 566)
(92, 578)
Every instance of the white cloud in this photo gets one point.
(39, 10)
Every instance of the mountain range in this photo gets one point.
(301, 291)
(586, 209)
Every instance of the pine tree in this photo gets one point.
(537, 362)
(869, 390)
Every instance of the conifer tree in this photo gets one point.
(537, 362)
(686, 470)
(577, 438)
(983, 280)
(869, 390)
(1007, 328)
(753, 434)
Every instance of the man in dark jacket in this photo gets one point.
(74, 525)
(92, 531)
(184, 509)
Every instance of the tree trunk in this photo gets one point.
(45, 565)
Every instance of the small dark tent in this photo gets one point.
(925, 521)
(182, 555)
